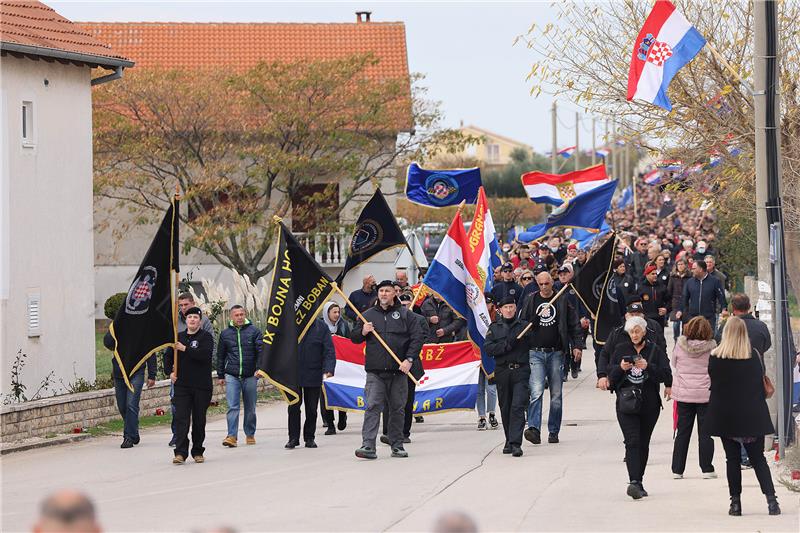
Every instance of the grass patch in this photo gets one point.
(102, 362)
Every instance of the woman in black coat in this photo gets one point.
(738, 413)
(675, 293)
(636, 369)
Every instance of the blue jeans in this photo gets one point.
(487, 395)
(236, 388)
(128, 404)
(546, 365)
(676, 329)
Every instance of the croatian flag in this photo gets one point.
(566, 153)
(602, 152)
(451, 278)
(483, 252)
(555, 189)
(666, 42)
(653, 177)
(450, 380)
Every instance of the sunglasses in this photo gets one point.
(527, 278)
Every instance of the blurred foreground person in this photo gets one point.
(67, 510)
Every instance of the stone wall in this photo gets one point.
(60, 414)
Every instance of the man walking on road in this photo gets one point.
(701, 296)
(386, 380)
(555, 329)
(237, 358)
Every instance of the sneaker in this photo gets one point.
(126, 443)
(533, 436)
(419, 419)
(365, 452)
(406, 440)
(641, 488)
(384, 439)
(198, 458)
(292, 444)
(250, 440)
(710, 475)
(493, 421)
(178, 460)
(574, 373)
(172, 443)
(552, 438)
(746, 464)
(507, 449)
(136, 441)
(311, 444)
(230, 441)
(331, 430)
(634, 491)
(342, 421)
(677, 476)
(399, 452)
(482, 424)
(516, 451)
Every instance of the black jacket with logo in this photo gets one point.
(403, 333)
(502, 344)
(654, 296)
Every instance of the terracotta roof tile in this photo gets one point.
(243, 45)
(31, 23)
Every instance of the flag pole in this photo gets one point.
(727, 66)
(176, 284)
(553, 299)
(377, 336)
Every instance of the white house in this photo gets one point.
(46, 223)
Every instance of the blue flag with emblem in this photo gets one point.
(441, 188)
(587, 210)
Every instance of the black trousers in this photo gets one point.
(686, 415)
(514, 394)
(309, 398)
(190, 407)
(733, 463)
(328, 414)
(637, 430)
(408, 412)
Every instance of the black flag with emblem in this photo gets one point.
(595, 286)
(376, 230)
(298, 291)
(145, 322)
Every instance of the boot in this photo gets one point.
(772, 505)
(736, 506)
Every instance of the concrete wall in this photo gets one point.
(46, 213)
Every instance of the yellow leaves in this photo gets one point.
(727, 90)
(736, 228)
(570, 84)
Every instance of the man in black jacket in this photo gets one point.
(362, 298)
(238, 350)
(701, 296)
(555, 331)
(444, 324)
(507, 286)
(316, 358)
(386, 380)
(192, 381)
(757, 331)
(512, 372)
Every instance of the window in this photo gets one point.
(28, 138)
(493, 152)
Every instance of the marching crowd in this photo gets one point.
(664, 273)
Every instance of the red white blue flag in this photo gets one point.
(555, 189)
(666, 42)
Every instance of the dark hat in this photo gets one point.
(543, 246)
(507, 267)
(635, 307)
(566, 267)
(385, 283)
(505, 300)
(405, 297)
(193, 311)
(489, 298)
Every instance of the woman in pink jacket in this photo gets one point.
(690, 389)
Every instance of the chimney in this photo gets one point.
(363, 16)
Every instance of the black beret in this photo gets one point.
(193, 311)
(635, 307)
(505, 300)
(385, 283)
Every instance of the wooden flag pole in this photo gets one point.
(176, 283)
(553, 299)
(377, 336)
(728, 66)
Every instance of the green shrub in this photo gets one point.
(112, 305)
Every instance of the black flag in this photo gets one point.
(376, 230)
(145, 323)
(595, 286)
(667, 208)
(299, 289)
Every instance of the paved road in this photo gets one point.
(577, 485)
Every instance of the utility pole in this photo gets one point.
(605, 141)
(553, 162)
(628, 170)
(594, 142)
(614, 154)
(577, 140)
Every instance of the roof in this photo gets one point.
(243, 45)
(32, 28)
(496, 135)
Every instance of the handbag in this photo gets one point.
(769, 388)
(629, 400)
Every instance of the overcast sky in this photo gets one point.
(464, 48)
